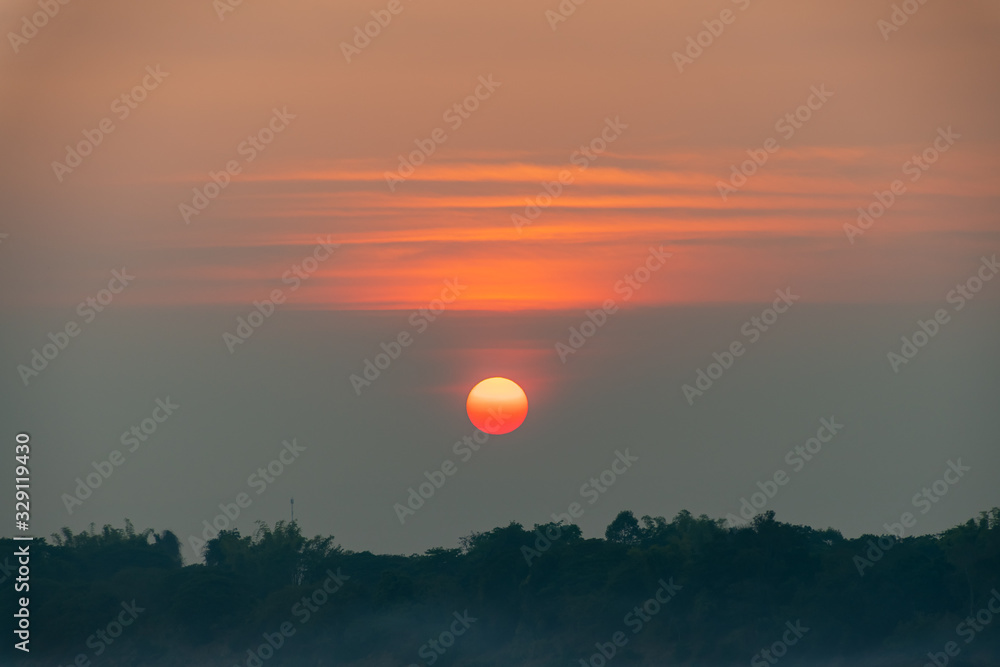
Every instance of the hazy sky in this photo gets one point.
(120, 122)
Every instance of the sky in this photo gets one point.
(483, 180)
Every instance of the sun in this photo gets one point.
(497, 405)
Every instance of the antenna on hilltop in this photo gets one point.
(293, 510)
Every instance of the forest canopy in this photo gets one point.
(689, 591)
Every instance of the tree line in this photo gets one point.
(689, 591)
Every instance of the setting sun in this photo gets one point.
(497, 405)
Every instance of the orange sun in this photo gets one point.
(497, 405)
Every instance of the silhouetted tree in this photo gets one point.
(624, 529)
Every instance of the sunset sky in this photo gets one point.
(660, 138)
